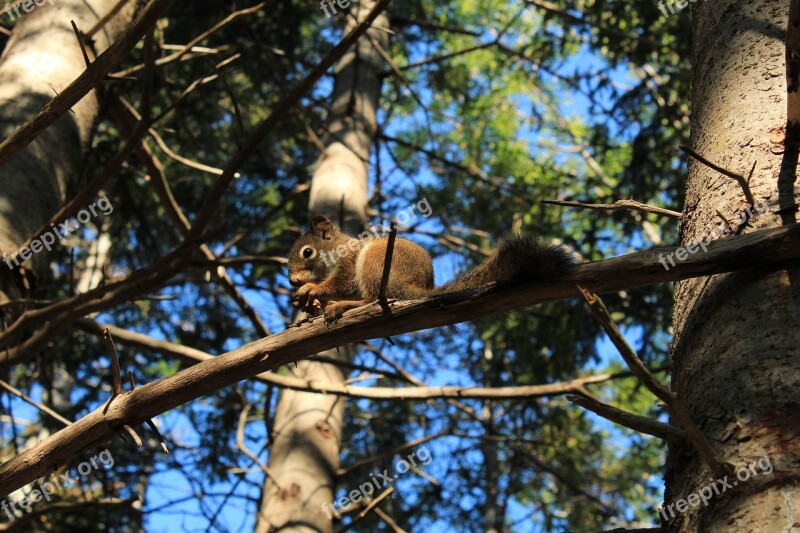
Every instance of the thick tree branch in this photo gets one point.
(771, 247)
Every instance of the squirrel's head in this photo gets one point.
(307, 262)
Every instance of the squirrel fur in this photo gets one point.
(337, 272)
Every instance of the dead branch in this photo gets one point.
(631, 205)
(642, 424)
(40, 406)
(112, 353)
(420, 392)
(188, 47)
(743, 182)
(697, 438)
(69, 507)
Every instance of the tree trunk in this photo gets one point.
(304, 455)
(736, 348)
(41, 58)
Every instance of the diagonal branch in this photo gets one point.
(639, 423)
(770, 247)
(420, 392)
(631, 205)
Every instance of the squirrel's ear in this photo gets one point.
(321, 226)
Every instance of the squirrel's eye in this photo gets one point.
(308, 252)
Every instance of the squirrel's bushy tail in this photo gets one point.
(519, 258)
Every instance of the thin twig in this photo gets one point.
(245, 450)
(387, 264)
(188, 47)
(619, 204)
(638, 368)
(104, 20)
(388, 521)
(80, 43)
(639, 423)
(135, 436)
(40, 406)
(366, 511)
(636, 365)
(741, 180)
(155, 430)
(112, 353)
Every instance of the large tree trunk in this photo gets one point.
(42, 57)
(304, 455)
(736, 353)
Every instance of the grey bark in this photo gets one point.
(736, 348)
(41, 58)
(304, 455)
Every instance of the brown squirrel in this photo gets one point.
(337, 272)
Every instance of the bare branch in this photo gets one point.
(759, 248)
(419, 392)
(387, 264)
(741, 180)
(40, 406)
(642, 424)
(112, 353)
(677, 410)
(619, 204)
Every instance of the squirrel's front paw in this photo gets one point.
(306, 297)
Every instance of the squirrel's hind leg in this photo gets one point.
(335, 310)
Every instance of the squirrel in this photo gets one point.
(336, 272)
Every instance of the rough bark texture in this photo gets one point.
(304, 455)
(41, 58)
(736, 353)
